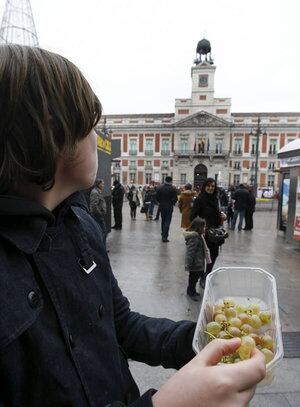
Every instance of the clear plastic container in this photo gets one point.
(246, 285)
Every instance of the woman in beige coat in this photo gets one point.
(185, 203)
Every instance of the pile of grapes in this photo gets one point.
(247, 322)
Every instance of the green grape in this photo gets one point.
(246, 319)
(234, 331)
(247, 329)
(237, 360)
(240, 308)
(235, 321)
(227, 359)
(228, 302)
(265, 317)
(230, 312)
(213, 328)
(255, 321)
(224, 335)
(256, 338)
(267, 342)
(220, 318)
(218, 309)
(255, 308)
(249, 311)
(269, 355)
(246, 348)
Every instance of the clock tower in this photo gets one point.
(203, 88)
(203, 77)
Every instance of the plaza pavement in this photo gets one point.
(151, 274)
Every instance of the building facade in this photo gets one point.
(202, 138)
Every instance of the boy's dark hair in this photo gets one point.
(46, 106)
(168, 178)
(197, 225)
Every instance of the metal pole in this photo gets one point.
(256, 156)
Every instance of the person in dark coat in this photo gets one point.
(206, 206)
(223, 198)
(230, 209)
(250, 209)
(241, 201)
(117, 202)
(134, 201)
(166, 196)
(98, 205)
(66, 329)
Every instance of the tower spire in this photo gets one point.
(17, 24)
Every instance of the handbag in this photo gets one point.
(216, 235)
(143, 209)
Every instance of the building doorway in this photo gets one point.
(200, 175)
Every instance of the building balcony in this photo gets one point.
(222, 153)
(165, 152)
(253, 152)
(132, 152)
(207, 154)
(183, 153)
(148, 167)
(148, 152)
(132, 167)
(164, 167)
(116, 168)
(272, 152)
(237, 168)
(237, 152)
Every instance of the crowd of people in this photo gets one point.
(236, 203)
(67, 329)
(210, 206)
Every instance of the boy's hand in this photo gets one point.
(202, 383)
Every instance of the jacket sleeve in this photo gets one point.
(155, 341)
(94, 202)
(196, 209)
(144, 401)
(191, 247)
(158, 195)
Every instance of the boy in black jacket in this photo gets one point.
(65, 327)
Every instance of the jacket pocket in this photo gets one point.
(21, 298)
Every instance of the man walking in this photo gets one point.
(117, 201)
(241, 202)
(166, 196)
(250, 210)
(98, 206)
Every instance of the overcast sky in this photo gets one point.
(137, 54)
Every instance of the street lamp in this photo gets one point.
(257, 133)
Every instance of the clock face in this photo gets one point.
(203, 81)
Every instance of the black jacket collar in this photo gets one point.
(23, 222)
